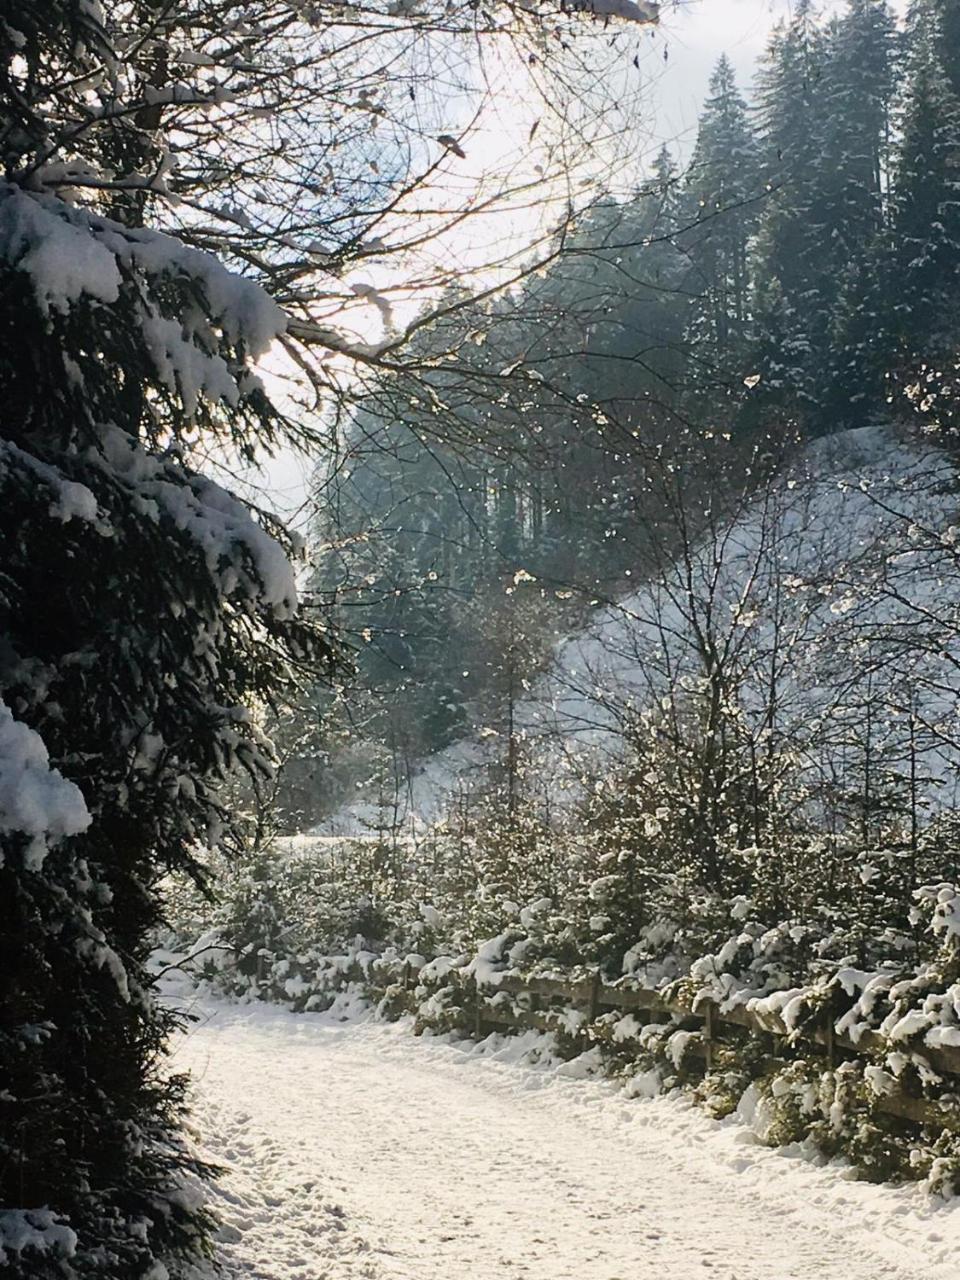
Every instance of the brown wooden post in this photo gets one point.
(708, 1032)
(594, 1006)
(829, 1041)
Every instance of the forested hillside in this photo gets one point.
(798, 278)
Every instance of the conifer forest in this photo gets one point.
(479, 639)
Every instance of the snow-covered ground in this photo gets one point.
(355, 1150)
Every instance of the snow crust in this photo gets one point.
(355, 1150)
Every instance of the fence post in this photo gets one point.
(594, 1006)
(829, 1041)
(708, 1033)
(406, 976)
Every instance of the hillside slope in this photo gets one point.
(855, 540)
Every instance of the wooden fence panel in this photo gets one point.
(594, 996)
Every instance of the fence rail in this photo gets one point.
(593, 996)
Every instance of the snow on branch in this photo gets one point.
(70, 254)
(37, 1230)
(35, 800)
(630, 10)
(232, 542)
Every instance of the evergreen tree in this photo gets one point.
(615, 350)
(789, 303)
(858, 91)
(852, 213)
(926, 226)
(721, 207)
(403, 547)
(947, 15)
(825, 106)
(143, 612)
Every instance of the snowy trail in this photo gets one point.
(356, 1150)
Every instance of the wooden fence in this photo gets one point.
(593, 996)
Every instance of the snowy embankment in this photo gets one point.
(857, 534)
(355, 1151)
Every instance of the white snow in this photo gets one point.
(355, 1150)
(70, 500)
(642, 12)
(68, 253)
(946, 915)
(220, 524)
(62, 259)
(75, 502)
(38, 1230)
(35, 800)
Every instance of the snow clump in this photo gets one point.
(35, 799)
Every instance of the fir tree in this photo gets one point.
(720, 212)
(947, 15)
(852, 213)
(143, 612)
(825, 103)
(926, 226)
(791, 124)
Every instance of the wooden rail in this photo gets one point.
(593, 995)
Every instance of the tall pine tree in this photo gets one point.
(721, 205)
(824, 100)
(926, 225)
(143, 611)
(852, 211)
(790, 309)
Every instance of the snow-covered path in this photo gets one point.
(356, 1150)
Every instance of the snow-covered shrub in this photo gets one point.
(850, 1123)
(721, 1089)
(292, 918)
